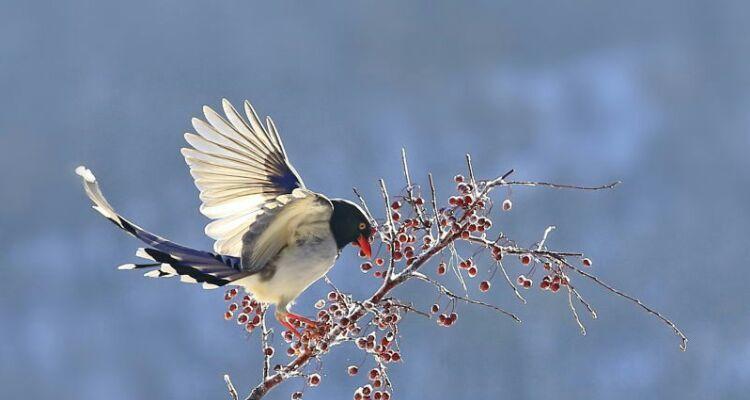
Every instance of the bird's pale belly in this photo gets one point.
(308, 257)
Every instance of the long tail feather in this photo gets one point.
(168, 258)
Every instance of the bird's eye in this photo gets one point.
(362, 226)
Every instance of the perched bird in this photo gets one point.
(274, 237)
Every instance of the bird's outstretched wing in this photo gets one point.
(242, 172)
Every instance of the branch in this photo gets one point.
(667, 321)
(372, 323)
(232, 391)
(443, 290)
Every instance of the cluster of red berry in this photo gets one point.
(248, 310)
(375, 390)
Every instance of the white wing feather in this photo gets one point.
(241, 170)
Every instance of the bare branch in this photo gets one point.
(232, 391)
(436, 213)
(677, 331)
(501, 182)
(574, 312)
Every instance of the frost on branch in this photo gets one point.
(436, 244)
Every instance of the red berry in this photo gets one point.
(352, 370)
(527, 283)
(396, 216)
(396, 205)
(228, 315)
(314, 380)
(586, 262)
(507, 205)
(268, 351)
(458, 178)
(525, 259)
(484, 286)
(473, 271)
(365, 267)
(435, 308)
(419, 201)
(441, 269)
(379, 261)
(554, 287)
(242, 319)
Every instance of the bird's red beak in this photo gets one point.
(364, 244)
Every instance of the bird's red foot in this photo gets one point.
(287, 319)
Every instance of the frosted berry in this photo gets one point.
(525, 259)
(352, 370)
(586, 262)
(314, 380)
(484, 286)
(507, 205)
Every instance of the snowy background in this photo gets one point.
(655, 93)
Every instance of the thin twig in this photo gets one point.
(553, 185)
(575, 313)
(444, 290)
(584, 302)
(510, 283)
(232, 391)
(544, 238)
(410, 188)
(667, 321)
(264, 342)
(471, 171)
(391, 229)
(372, 219)
(433, 195)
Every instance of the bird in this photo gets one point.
(273, 236)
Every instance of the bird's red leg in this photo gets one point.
(296, 317)
(282, 318)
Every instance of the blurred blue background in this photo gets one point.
(651, 92)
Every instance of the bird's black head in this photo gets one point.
(350, 225)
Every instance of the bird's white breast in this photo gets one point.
(310, 252)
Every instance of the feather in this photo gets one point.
(240, 168)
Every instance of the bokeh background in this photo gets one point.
(655, 93)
